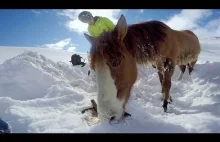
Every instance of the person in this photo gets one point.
(96, 24)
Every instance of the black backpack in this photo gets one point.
(76, 60)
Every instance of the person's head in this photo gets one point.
(86, 17)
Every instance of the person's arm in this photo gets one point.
(109, 23)
(91, 33)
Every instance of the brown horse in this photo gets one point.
(114, 56)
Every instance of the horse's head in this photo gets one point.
(115, 69)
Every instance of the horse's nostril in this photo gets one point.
(112, 118)
(126, 114)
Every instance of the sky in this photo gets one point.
(60, 28)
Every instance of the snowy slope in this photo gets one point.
(54, 54)
(41, 92)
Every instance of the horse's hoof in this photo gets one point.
(165, 109)
(113, 121)
(165, 103)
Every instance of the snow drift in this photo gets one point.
(44, 95)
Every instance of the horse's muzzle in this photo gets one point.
(125, 115)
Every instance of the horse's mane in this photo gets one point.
(141, 37)
(145, 37)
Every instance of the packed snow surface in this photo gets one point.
(41, 92)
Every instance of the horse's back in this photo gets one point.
(189, 40)
(189, 46)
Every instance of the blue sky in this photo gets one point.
(62, 30)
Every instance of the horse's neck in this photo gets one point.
(141, 49)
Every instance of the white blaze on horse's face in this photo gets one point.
(108, 103)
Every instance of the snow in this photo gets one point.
(41, 92)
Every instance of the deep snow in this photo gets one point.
(41, 92)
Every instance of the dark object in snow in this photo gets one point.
(76, 60)
(93, 108)
(89, 72)
(4, 127)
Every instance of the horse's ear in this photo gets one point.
(90, 38)
(121, 27)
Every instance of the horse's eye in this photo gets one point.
(116, 63)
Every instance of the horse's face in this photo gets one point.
(116, 71)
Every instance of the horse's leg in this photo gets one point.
(125, 102)
(160, 71)
(182, 68)
(169, 70)
(191, 66)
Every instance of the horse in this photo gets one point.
(114, 56)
